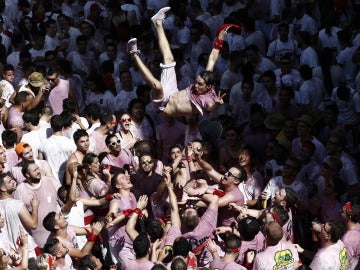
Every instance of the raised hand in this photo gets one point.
(142, 202)
(219, 98)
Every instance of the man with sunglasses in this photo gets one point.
(147, 180)
(98, 136)
(227, 182)
(60, 89)
(118, 156)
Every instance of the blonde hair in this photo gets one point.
(44, 262)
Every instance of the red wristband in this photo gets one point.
(218, 192)
(127, 212)
(109, 197)
(218, 44)
(139, 212)
(189, 159)
(91, 237)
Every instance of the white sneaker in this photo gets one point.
(132, 46)
(160, 15)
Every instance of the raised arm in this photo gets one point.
(30, 221)
(71, 199)
(174, 215)
(214, 55)
(130, 225)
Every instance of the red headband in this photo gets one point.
(276, 217)
(234, 250)
(348, 206)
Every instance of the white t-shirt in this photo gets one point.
(57, 150)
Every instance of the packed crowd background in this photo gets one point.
(93, 176)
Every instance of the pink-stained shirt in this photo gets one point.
(140, 265)
(281, 256)
(15, 118)
(331, 257)
(97, 187)
(57, 95)
(120, 244)
(46, 192)
(220, 264)
(173, 233)
(351, 239)
(11, 157)
(97, 142)
(10, 208)
(201, 102)
(226, 216)
(125, 157)
(252, 188)
(201, 233)
(19, 177)
(258, 244)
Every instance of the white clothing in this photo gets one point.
(7, 91)
(330, 41)
(278, 49)
(309, 57)
(57, 150)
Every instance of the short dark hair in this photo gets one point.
(9, 137)
(92, 110)
(270, 74)
(25, 167)
(232, 241)
(8, 67)
(209, 77)
(306, 72)
(79, 134)
(290, 197)
(248, 228)
(86, 262)
(141, 245)
(105, 118)
(69, 105)
(181, 246)
(178, 263)
(49, 222)
(155, 230)
(31, 117)
(21, 97)
(109, 137)
(51, 246)
(56, 123)
(336, 231)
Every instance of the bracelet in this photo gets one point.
(127, 212)
(91, 237)
(218, 44)
(138, 212)
(219, 193)
(189, 158)
(109, 197)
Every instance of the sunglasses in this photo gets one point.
(147, 162)
(52, 80)
(114, 143)
(229, 174)
(125, 120)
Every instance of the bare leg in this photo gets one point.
(157, 90)
(164, 46)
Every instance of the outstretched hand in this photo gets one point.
(219, 98)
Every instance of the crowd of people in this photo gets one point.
(164, 134)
